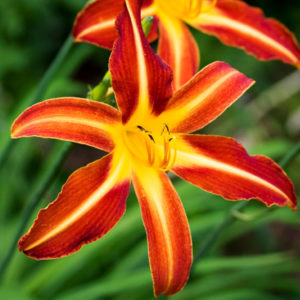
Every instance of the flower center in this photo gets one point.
(185, 9)
(155, 149)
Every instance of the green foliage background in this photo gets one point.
(255, 257)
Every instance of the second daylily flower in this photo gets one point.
(146, 137)
(233, 21)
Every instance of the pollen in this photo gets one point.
(156, 149)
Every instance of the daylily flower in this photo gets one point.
(233, 21)
(146, 137)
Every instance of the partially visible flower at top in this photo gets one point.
(233, 21)
(146, 137)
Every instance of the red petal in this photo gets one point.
(168, 234)
(89, 205)
(96, 22)
(178, 49)
(141, 81)
(204, 97)
(73, 119)
(221, 166)
(237, 24)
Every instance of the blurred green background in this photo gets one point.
(255, 257)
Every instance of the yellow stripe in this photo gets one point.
(197, 101)
(85, 207)
(154, 194)
(237, 26)
(77, 121)
(175, 38)
(97, 27)
(203, 161)
(143, 103)
(188, 106)
(157, 198)
(110, 23)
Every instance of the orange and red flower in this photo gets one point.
(233, 21)
(146, 137)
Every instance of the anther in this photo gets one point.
(151, 138)
(141, 128)
(166, 127)
(155, 149)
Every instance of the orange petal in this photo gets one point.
(89, 205)
(204, 97)
(168, 234)
(73, 119)
(96, 22)
(141, 81)
(221, 166)
(178, 49)
(237, 24)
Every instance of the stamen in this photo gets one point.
(150, 152)
(169, 155)
(172, 154)
(155, 150)
(166, 127)
(166, 153)
(172, 162)
(141, 128)
(151, 138)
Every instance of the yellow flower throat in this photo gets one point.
(155, 150)
(185, 9)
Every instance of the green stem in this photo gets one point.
(49, 172)
(290, 156)
(8, 143)
(230, 216)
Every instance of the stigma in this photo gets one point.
(155, 149)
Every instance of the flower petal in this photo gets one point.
(141, 81)
(204, 97)
(178, 49)
(237, 24)
(73, 119)
(168, 234)
(89, 205)
(96, 22)
(221, 166)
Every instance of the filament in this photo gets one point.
(155, 150)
